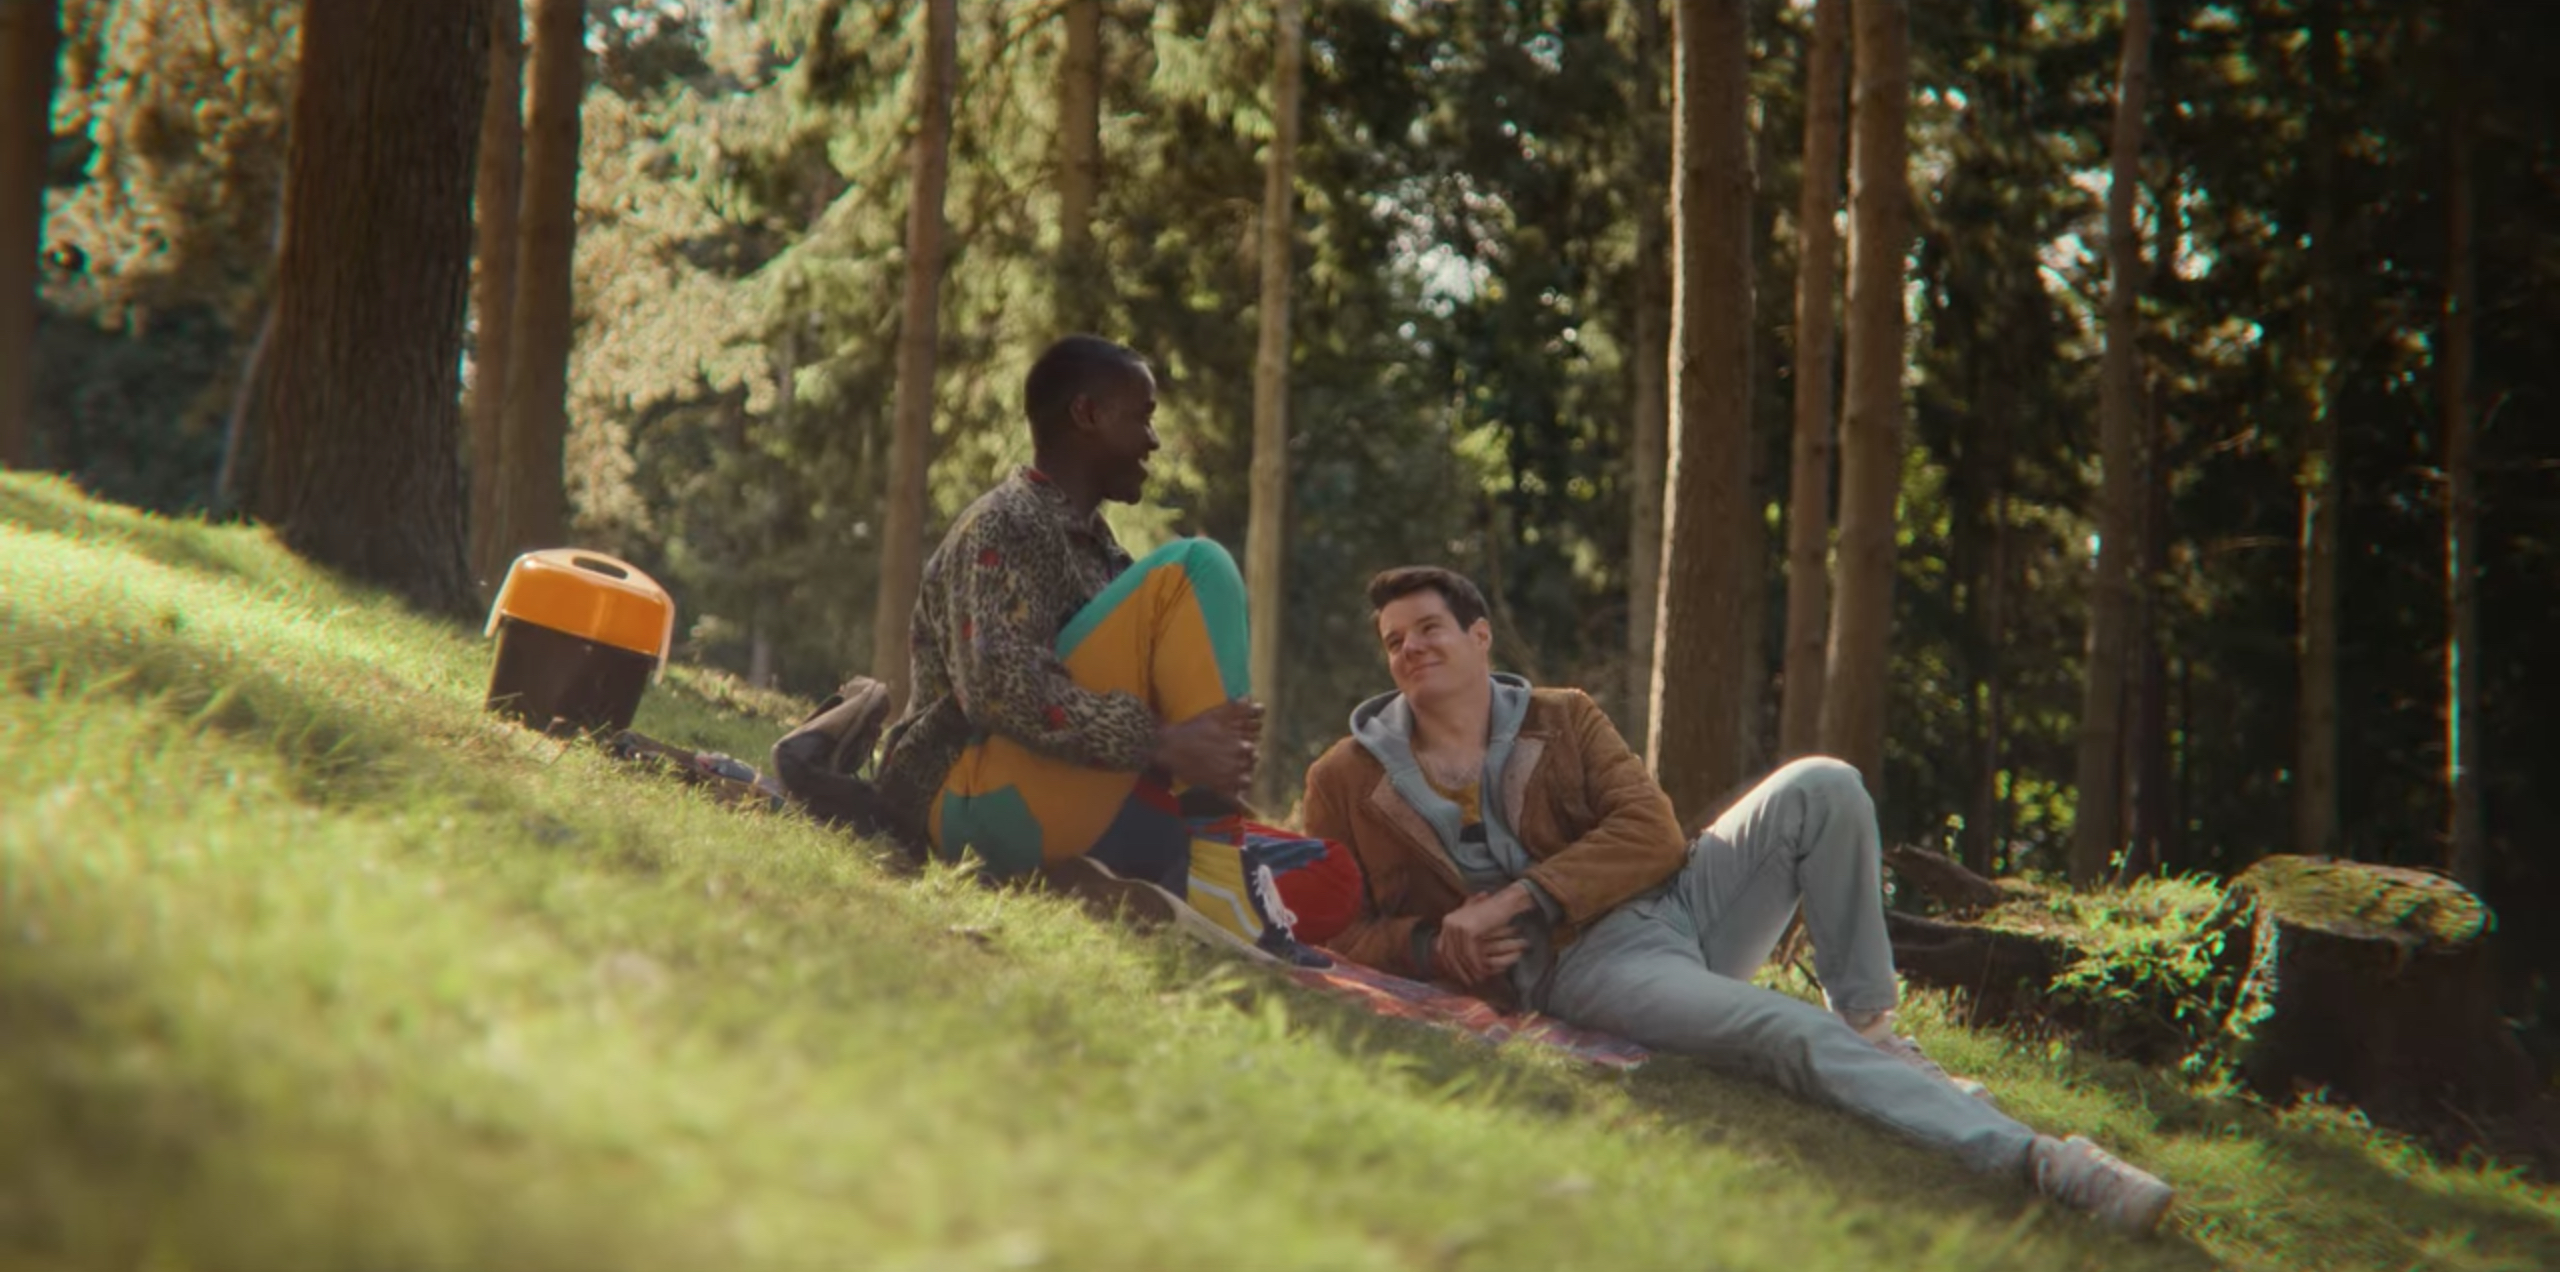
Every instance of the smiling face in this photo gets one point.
(1428, 653)
(1116, 425)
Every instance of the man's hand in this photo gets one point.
(1215, 749)
(1478, 941)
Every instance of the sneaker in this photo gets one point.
(851, 720)
(1290, 950)
(1108, 895)
(1909, 1052)
(2083, 1176)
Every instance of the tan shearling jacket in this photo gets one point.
(1579, 800)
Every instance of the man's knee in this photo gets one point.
(1823, 779)
(1195, 556)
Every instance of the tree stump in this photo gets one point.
(2372, 981)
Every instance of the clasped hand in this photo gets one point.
(1215, 749)
(1481, 939)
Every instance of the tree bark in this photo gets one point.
(2466, 842)
(2315, 777)
(2150, 812)
(498, 194)
(2098, 829)
(1080, 278)
(30, 32)
(533, 500)
(1853, 700)
(1649, 420)
(919, 329)
(1699, 715)
(360, 432)
(1986, 822)
(1817, 295)
(1265, 548)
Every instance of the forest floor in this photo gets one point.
(306, 961)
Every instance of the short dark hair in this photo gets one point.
(1466, 604)
(1075, 366)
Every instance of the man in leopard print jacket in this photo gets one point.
(1063, 694)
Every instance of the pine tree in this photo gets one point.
(1266, 553)
(1817, 296)
(497, 195)
(1854, 691)
(2315, 776)
(2467, 848)
(919, 328)
(1081, 281)
(533, 502)
(1700, 717)
(2098, 830)
(28, 33)
(360, 432)
(1649, 413)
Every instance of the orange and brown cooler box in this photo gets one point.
(580, 636)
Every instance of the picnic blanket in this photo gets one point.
(1397, 997)
(1320, 884)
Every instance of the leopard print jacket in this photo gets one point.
(1008, 577)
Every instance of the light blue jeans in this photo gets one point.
(1672, 971)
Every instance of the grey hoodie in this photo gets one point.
(1384, 725)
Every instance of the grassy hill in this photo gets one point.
(306, 962)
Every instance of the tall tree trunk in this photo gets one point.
(2147, 745)
(1080, 277)
(1986, 819)
(1853, 698)
(533, 499)
(919, 330)
(2466, 841)
(2098, 829)
(1817, 295)
(1265, 555)
(1649, 420)
(2315, 776)
(2152, 806)
(30, 30)
(360, 433)
(1700, 717)
(497, 196)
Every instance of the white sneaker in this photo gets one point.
(2083, 1176)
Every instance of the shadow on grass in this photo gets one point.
(1870, 1171)
(54, 505)
(1864, 1161)
(335, 746)
(2353, 1185)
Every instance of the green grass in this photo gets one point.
(306, 962)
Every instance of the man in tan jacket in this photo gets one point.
(1516, 849)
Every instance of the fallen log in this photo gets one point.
(2002, 974)
(1944, 879)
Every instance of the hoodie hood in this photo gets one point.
(1384, 724)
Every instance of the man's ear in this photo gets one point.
(1482, 631)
